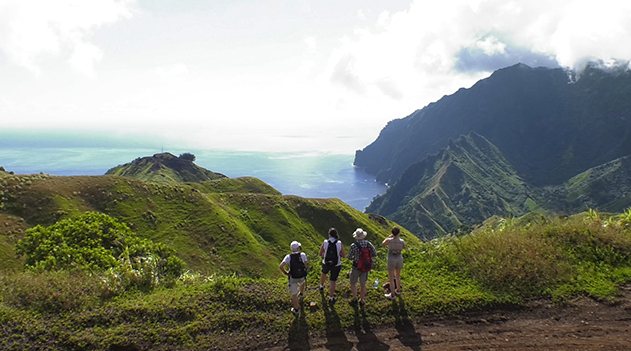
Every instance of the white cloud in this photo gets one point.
(32, 31)
(491, 46)
(435, 47)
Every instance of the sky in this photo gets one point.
(272, 75)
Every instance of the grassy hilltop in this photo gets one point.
(226, 225)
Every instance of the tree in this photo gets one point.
(188, 156)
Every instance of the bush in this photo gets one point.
(96, 242)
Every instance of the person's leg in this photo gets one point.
(362, 292)
(392, 293)
(332, 288)
(397, 274)
(354, 276)
(294, 300)
(323, 276)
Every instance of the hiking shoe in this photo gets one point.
(295, 311)
(353, 302)
(321, 287)
(301, 295)
(362, 303)
(390, 296)
(332, 299)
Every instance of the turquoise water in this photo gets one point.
(310, 175)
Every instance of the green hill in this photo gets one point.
(165, 168)
(239, 225)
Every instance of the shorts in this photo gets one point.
(335, 271)
(356, 274)
(294, 285)
(395, 262)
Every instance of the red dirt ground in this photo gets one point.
(582, 325)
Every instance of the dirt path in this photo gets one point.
(584, 325)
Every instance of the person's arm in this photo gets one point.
(342, 251)
(282, 267)
(374, 251)
(351, 252)
(387, 240)
(322, 250)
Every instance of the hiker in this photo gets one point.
(297, 274)
(361, 253)
(395, 261)
(331, 252)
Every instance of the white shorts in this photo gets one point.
(294, 285)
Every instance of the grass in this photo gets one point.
(222, 226)
(503, 262)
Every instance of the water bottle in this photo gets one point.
(376, 283)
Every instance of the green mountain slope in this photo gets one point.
(465, 183)
(605, 188)
(164, 168)
(471, 181)
(215, 226)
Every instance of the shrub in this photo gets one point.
(51, 292)
(96, 242)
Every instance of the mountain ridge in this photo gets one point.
(527, 113)
(543, 129)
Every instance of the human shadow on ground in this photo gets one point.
(335, 338)
(407, 333)
(299, 333)
(367, 340)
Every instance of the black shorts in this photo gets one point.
(335, 271)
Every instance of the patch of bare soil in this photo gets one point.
(583, 324)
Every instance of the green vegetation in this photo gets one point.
(522, 133)
(503, 262)
(221, 226)
(99, 244)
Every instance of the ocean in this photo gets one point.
(311, 175)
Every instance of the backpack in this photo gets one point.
(297, 268)
(365, 263)
(330, 258)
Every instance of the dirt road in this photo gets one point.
(582, 325)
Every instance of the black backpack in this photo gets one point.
(297, 268)
(330, 258)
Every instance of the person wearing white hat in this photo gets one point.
(297, 262)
